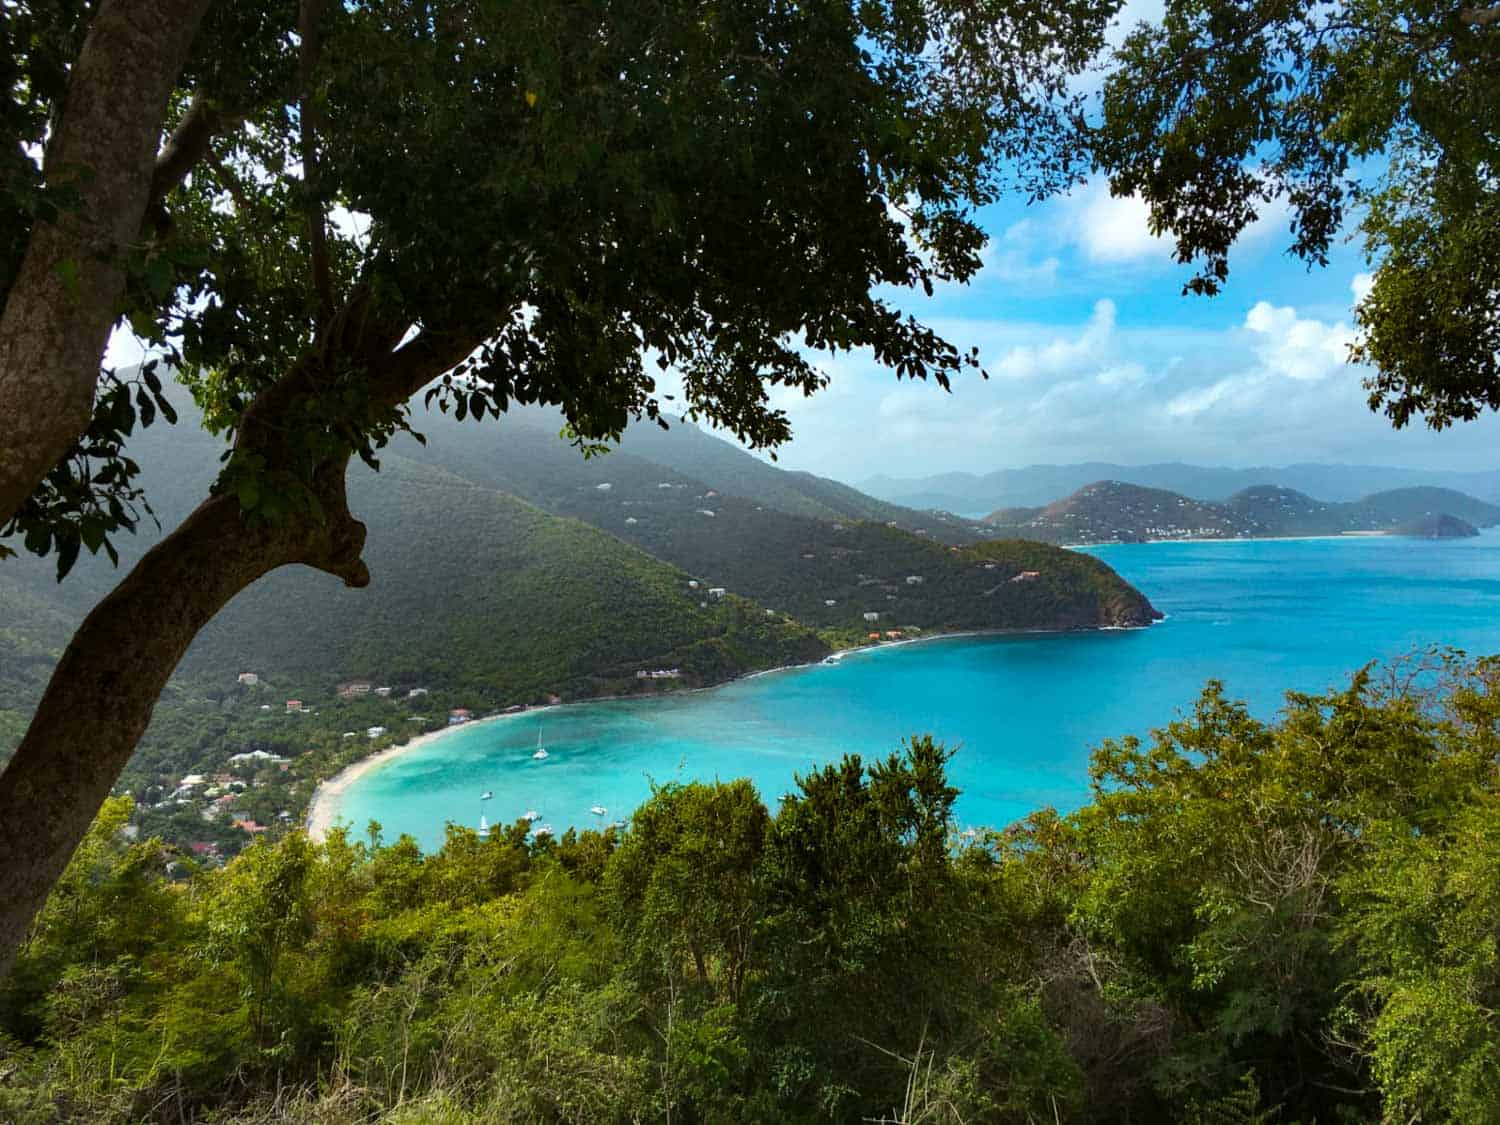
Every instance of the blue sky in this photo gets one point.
(1094, 354)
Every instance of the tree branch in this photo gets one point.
(1479, 17)
(101, 695)
(62, 303)
(189, 143)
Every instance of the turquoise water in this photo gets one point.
(1022, 711)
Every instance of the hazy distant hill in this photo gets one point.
(1110, 511)
(1037, 485)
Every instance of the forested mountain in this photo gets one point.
(1113, 511)
(1038, 485)
(491, 587)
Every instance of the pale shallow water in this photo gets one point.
(1023, 711)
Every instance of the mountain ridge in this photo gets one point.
(1037, 485)
(1117, 511)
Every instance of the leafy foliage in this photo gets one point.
(1383, 110)
(1249, 923)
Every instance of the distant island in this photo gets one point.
(1115, 512)
(1436, 527)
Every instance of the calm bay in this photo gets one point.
(1022, 712)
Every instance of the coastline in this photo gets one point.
(322, 808)
(1229, 539)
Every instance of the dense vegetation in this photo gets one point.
(1110, 511)
(1248, 923)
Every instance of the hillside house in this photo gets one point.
(1027, 576)
(915, 579)
(294, 706)
(204, 850)
(255, 758)
(717, 592)
(416, 693)
(383, 692)
(872, 617)
(458, 715)
(249, 826)
(830, 602)
(248, 679)
(629, 520)
(605, 487)
(692, 584)
(375, 732)
(873, 637)
(353, 688)
(893, 634)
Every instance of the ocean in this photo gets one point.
(1021, 712)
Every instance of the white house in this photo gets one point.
(249, 679)
(830, 602)
(416, 693)
(692, 583)
(717, 591)
(631, 520)
(255, 756)
(914, 580)
(872, 617)
(375, 732)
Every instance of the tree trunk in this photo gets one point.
(65, 297)
(103, 691)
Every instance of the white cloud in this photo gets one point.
(1294, 347)
(1109, 228)
(1360, 286)
(1062, 355)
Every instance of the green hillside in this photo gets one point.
(482, 593)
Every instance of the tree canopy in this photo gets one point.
(532, 204)
(1385, 115)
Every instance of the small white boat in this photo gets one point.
(541, 751)
(598, 810)
(531, 815)
(541, 755)
(486, 795)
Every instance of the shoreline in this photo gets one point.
(1230, 539)
(322, 807)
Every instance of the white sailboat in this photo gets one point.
(541, 751)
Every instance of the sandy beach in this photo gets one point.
(322, 810)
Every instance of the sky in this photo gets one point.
(1094, 355)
